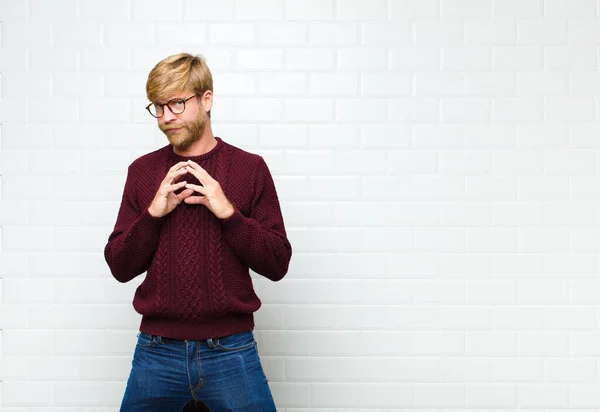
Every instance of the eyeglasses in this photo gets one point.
(176, 106)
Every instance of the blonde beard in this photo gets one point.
(189, 134)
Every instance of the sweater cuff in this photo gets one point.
(234, 221)
(150, 224)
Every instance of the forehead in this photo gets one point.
(184, 94)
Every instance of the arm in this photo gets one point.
(260, 240)
(134, 240)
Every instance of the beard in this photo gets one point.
(188, 133)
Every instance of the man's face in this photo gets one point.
(186, 128)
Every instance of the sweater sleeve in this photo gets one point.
(260, 240)
(134, 240)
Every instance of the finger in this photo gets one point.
(173, 170)
(185, 194)
(172, 176)
(195, 166)
(196, 188)
(166, 189)
(197, 173)
(178, 166)
(195, 200)
(176, 186)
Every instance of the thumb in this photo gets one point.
(185, 194)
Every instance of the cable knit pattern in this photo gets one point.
(160, 276)
(216, 270)
(187, 261)
(198, 283)
(215, 255)
(161, 260)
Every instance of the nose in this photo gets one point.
(168, 116)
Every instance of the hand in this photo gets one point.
(165, 199)
(212, 194)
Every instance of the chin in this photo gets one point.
(182, 144)
(185, 138)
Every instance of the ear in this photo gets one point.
(207, 100)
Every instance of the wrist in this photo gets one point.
(152, 213)
(228, 213)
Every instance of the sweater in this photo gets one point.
(198, 283)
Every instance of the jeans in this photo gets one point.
(226, 374)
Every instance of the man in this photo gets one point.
(196, 214)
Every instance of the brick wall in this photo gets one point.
(437, 164)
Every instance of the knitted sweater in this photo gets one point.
(198, 283)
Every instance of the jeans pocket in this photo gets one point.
(145, 340)
(236, 343)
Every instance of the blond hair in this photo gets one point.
(177, 73)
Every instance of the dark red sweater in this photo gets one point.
(198, 283)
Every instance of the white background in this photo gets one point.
(436, 160)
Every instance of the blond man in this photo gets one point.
(196, 215)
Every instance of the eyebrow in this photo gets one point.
(167, 101)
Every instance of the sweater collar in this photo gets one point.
(212, 152)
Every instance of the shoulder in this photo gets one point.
(243, 157)
(149, 160)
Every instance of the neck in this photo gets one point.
(205, 144)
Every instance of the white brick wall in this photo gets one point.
(437, 163)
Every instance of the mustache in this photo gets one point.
(173, 127)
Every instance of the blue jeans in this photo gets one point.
(226, 374)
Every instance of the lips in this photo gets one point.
(173, 127)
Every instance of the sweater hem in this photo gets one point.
(197, 330)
